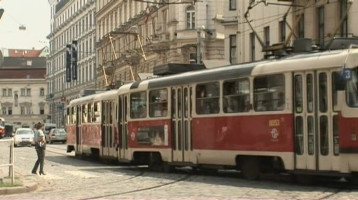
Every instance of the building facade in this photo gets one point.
(71, 21)
(23, 88)
(120, 40)
(323, 20)
(261, 25)
(135, 36)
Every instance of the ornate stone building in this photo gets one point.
(71, 20)
(135, 36)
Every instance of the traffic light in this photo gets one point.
(74, 59)
(68, 63)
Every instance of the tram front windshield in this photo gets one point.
(352, 89)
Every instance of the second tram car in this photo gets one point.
(2, 127)
(297, 114)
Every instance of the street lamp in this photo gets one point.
(1, 12)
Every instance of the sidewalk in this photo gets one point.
(27, 182)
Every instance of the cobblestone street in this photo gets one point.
(70, 178)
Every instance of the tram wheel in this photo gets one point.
(155, 162)
(167, 168)
(304, 179)
(250, 168)
(353, 180)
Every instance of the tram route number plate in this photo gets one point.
(274, 122)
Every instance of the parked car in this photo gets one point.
(56, 135)
(48, 127)
(24, 137)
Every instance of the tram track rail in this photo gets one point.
(131, 180)
(139, 172)
(282, 178)
(337, 186)
(155, 186)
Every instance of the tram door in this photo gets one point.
(122, 128)
(77, 110)
(108, 114)
(181, 120)
(316, 137)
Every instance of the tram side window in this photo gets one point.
(138, 105)
(68, 116)
(90, 113)
(323, 131)
(158, 103)
(322, 92)
(236, 96)
(298, 102)
(84, 113)
(74, 117)
(97, 112)
(269, 93)
(207, 98)
(352, 89)
(334, 90)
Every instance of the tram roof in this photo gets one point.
(110, 94)
(301, 62)
(82, 99)
(227, 72)
(307, 61)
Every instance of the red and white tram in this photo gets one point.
(297, 114)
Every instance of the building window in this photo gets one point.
(232, 5)
(16, 99)
(22, 92)
(190, 17)
(22, 110)
(301, 27)
(3, 110)
(267, 36)
(9, 92)
(252, 46)
(344, 26)
(29, 110)
(233, 49)
(28, 92)
(42, 110)
(192, 58)
(282, 27)
(9, 110)
(320, 22)
(42, 92)
(165, 20)
(4, 92)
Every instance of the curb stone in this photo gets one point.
(18, 189)
(27, 186)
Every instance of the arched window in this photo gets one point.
(190, 17)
